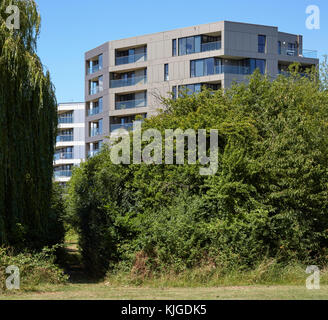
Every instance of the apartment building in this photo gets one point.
(70, 142)
(125, 77)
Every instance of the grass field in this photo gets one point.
(80, 288)
(104, 291)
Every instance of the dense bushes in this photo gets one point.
(267, 200)
(35, 268)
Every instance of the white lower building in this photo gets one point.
(70, 142)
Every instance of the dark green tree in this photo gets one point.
(28, 121)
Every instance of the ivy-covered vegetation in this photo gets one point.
(28, 121)
(268, 200)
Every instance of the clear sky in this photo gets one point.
(72, 27)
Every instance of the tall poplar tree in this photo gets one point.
(28, 121)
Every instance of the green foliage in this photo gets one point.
(28, 121)
(268, 199)
(35, 268)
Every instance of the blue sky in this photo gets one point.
(72, 27)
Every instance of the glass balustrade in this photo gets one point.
(95, 132)
(63, 173)
(210, 46)
(133, 58)
(93, 153)
(94, 111)
(95, 90)
(130, 104)
(64, 138)
(63, 120)
(63, 156)
(128, 82)
(126, 126)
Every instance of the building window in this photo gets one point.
(95, 128)
(205, 67)
(95, 64)
(174, 47)
(261, 43)
(279, 47)
(65, 117)
(166, 72)
(257, 64)
(95, 107)
(174, 92)
(292, 49)
(198, 44)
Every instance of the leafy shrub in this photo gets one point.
(268, 199)
(35, 268)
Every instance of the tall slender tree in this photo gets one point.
(28, 121)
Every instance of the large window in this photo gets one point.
(279, 47)
(199, 43)
(131, 55)
(66, 117)
(257, 64)
(261, 44)
(205, 67)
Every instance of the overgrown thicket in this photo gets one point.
(35, 269)
(28, 124)
(268, 200)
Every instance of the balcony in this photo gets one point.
(94, 111)
(95, 132)
(128, 82)
(63, 156)
(126, 126)
(63, 174)
(229, 69)
(65, 138)
(63, 120)
(93, 153)
(232, 69)
(95, 90)
(130, 104)
(313, 54)
(141, 57)
(94, 69)
(210, 46)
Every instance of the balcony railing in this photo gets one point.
(64, 138)
(95, 132)
(289, 74)
(62, 120)
(95, 90)
(94, 111)
(94, 69)
(126, 126)
(140, 57)
(128, 82)
(233, 69)
(294, 53)
(210, 46)
(93, 153)
(130, 104)
(310, 54)
(63, 174)
(63, 156)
